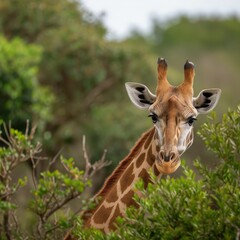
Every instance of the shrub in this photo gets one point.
(189, 208)
(51, 191)
(182, 208)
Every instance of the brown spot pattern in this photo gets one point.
(140, 160)
(157, 148)
(127, 199)
(127, 178)
(112, 196)
(155, 170)
(150, 156)
(102, 214)
(116, 214)
(145, 176)
(148, 141)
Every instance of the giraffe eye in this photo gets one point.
(154, 117)
(191, 120)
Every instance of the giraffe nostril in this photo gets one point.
(162, 155)
(167, 157)
(172, 156)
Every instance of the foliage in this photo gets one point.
(31, 22)
(86, 71)
(59, 44)
(194, 32)
(21, 96)
(80, 66)
(50, 193)
(186, 207)
(18, 148)
(53, 191)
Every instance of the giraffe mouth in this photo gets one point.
(168, 167)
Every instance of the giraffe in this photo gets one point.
(173, 111)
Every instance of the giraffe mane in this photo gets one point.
(113, 178)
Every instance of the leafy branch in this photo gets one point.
(53, 190)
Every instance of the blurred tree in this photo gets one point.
(85, 71)
(21, 96)
(80, 66)
(195, 33)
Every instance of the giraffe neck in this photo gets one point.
(118, 190)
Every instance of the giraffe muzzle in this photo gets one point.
(166, 157)
(168, 162)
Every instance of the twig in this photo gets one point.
(32, 133)
(6, 225)
(27, 128)
(15, 220)
(91, 169)
(58, 206)
(97, 91)
(6, 130)
(54, 159)
(100, 164)
(5, 142)
(85, 156)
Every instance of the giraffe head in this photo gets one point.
(173, 111)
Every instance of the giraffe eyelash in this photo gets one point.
(154, 117)
(191, 120)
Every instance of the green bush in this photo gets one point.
(189, 208)
(182, 208)
(50, 193)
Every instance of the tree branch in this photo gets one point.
(97, 91)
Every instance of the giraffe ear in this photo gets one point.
(207, 100)
(140, 95)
